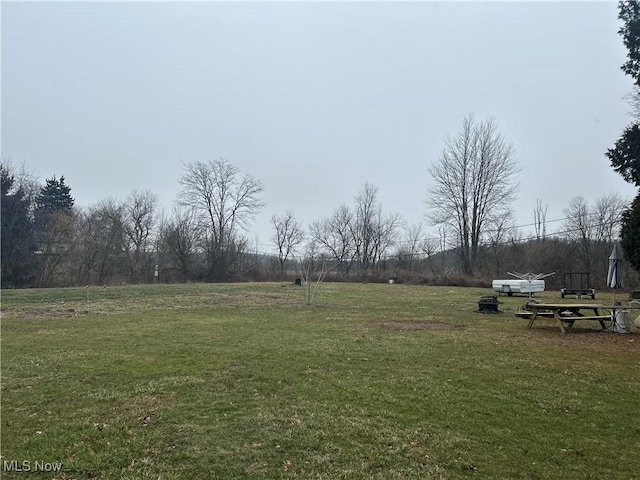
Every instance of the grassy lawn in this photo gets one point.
(373, 381)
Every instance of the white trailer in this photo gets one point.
(518, 286)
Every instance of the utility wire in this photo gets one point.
(271, 249)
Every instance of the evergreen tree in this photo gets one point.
(54, 197)
(629, 13)
(625, 155)
(16, 233)
(630, 233)
(53, 229)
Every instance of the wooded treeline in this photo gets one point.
(47, 241)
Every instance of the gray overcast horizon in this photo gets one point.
(312, 99)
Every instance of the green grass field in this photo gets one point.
(373, 381)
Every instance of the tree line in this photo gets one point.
(48, 241)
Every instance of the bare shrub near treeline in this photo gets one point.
(313, 268)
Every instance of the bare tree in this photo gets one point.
(100, 242)
(179, 240)
(607, 213)
(226, 203)
(364, 226)
(288, 236)
(442, 248)
(633, 98)
(499, 237)
(387, 236)
(334, 236)
(579, 228)
(86, 253)
(593, 229)
(409, 251)
(56, 247)
(540, 220)
(139, 220)
(473, 186)
(416, 249)
(607, 217)
(373, 233)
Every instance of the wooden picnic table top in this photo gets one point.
(579, 306)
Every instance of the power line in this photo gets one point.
(273, 247)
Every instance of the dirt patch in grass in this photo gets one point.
(416, 325)
(50, 312)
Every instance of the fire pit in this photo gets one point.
(488, 304)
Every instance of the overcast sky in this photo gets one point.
(312, 99)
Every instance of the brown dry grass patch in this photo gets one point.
(50, 312)
(417, 325)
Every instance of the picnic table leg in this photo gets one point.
(560, 323)
(532, 319)
(597, 313)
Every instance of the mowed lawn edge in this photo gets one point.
(246, 381)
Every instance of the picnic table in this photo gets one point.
(566, 314)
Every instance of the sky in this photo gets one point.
(313, 99)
